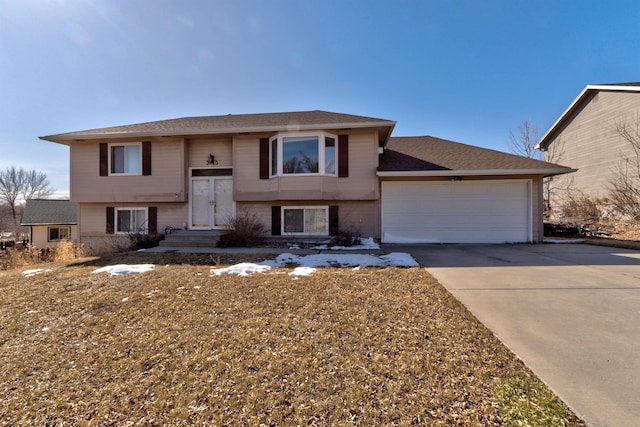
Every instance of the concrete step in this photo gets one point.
(193, 238)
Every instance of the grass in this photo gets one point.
(177, 346)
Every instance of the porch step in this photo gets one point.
(192, 238)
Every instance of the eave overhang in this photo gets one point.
(475, 172)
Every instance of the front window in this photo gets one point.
(131, 220)
(125, 159)
(305, 220)
(59, 233)
(310, 154)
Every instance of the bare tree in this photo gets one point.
(17, 184)
(624, 184)
(524, 143)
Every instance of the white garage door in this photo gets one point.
(456, 212)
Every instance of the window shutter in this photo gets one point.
(334, 228)
(146, 158)
(343, 156)
(276, 222)
(110, 220)
(264, 158)
(152, 220)
(104, 159)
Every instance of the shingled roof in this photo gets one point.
(428, 155)
(49, 212)
(232, 123)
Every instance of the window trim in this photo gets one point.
(288, 233)
(124, 144)
(68, 227)
(278, 139)
(132, 208)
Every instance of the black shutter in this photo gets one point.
(110, 220)
(334, 227)
(146, 158)
(276, 222)
(343, 156)
(264, 158)
(104, 159)
(153, 220)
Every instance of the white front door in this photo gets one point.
(211, 202)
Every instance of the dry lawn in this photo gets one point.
(177, 346)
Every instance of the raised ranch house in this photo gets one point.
(586, 137)
(50, 222)
(305, 174)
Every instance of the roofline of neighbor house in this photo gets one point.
(477, 172)
(611, 88)
(48, 223)
(64, 138)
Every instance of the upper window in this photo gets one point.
(131, 220)
(59, 233)
(125, 159)
(308, 154)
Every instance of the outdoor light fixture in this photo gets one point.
(211, 160)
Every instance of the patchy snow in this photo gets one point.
(243, 269)
(34, 272)
(366, 243)
(302, 271)
(396, 259)
(119, 269)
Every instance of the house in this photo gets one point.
(587, 137)
(50, 222)
(309, 173)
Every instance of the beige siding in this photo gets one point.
(360, 185)
(360, 217)
(40, 236)
(166, 184)
(589, 143)
(200, 148)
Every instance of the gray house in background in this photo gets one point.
(586, 137)
(50, 222)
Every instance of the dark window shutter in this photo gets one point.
(153, 220)
(110, 220)
(146, 158)
(343, 156)
(334, 228)
(276, 222)
(104, 159)
(264, 158)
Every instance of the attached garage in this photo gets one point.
(456, 211)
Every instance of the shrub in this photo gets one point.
(244, 230)
(345, 237)
(583, 207)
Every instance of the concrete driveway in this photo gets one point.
(570, 312)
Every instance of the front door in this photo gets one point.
(211, 202)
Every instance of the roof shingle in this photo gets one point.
(45, 212)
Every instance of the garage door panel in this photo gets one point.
(456, 212)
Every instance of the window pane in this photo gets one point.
(293, 220)
(315, 220)
(117, 159)
(64, 233)
(124, 221)
(329, 155)
(274, 157)
(132, 162)
(300, 155)
(140, 220)
(53, 234)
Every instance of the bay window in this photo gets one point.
(303, 154)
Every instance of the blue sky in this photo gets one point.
(468, 71)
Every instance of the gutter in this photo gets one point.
(476, 172)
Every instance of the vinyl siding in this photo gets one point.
(200, 148)
(166, 184)
(589, 143)
(360, 185)
(40, 236)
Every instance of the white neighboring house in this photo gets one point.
(50, 222)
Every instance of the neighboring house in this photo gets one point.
(50, 222)
(586, 137)
(305, 174)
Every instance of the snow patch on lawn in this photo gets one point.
(242, 269)
(396, 259)
(302, 271)
(119, 269)
(34, 272)
(366, 243)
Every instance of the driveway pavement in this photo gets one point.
(570, 312)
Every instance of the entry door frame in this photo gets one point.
(211, 202)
